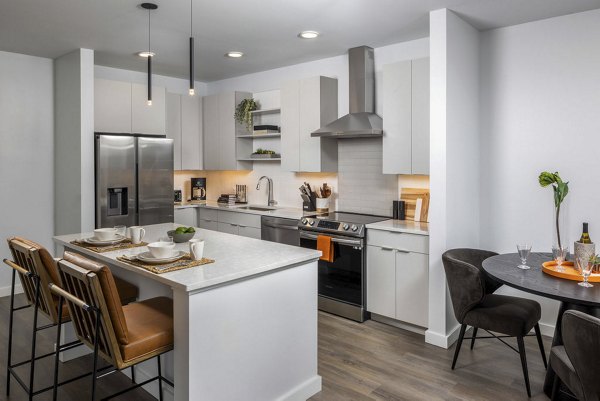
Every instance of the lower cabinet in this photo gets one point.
(230, 222)
(398, 276)
(187, 216)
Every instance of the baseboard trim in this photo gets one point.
(547, 329)
(5, 291)
(442, 340)
(304, 391)
(398, 324)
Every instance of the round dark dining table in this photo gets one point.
(503, 268)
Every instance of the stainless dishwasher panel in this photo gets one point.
(280, 230)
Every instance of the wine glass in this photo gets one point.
(524, 250)
(560, 254)
(585, 266)
(121, 230)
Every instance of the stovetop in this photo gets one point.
(343, 223)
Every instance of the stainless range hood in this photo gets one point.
(362, 121)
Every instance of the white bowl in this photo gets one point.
(105, 234)
(161, 250)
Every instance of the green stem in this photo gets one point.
(558, 227)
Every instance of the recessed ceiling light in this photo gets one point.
(308, 34)
(234, 54)
(146, 54)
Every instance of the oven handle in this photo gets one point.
(358, 243)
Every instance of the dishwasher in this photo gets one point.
(279, 229)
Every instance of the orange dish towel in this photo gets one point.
(325, 245)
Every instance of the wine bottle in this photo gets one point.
(585, 236)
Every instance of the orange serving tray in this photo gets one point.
(570, 273)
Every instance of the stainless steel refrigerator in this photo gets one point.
(134, 180)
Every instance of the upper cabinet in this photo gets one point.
(406, 117)
(220, 131)
(112, 106)
(184, 126)
(120, 107)
(307, 105)
(149, 120)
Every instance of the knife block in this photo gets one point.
(308, 207)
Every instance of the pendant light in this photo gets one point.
(192, 91)
(149, 7)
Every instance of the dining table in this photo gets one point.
(503, 268)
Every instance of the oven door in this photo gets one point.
(342, 279)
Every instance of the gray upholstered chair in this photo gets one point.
(577, 362)
(475, 305)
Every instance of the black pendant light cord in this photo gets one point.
(149, 63)
(192, 91)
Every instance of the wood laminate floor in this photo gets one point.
(368, 361)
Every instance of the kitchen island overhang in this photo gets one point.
(245, 326)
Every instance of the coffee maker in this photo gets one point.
(198, 189)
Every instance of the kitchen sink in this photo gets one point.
(257, 208)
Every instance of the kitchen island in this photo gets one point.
(245, 326)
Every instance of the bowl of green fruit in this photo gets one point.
(182, 234)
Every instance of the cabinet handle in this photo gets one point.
(239, 225)
(233, 225)
(386, 249)
(402, 251)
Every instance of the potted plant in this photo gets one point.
(561, 189)
(243, 112)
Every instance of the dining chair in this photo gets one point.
(37, 269)
(577, 362)
(123, 336)
(475, 305)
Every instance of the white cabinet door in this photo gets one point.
(208, 225)
(310, 109)
(397, 140)
(174, 126)
(420, 116)
(228, 228)
(149, 120)
(251, 232)
(227, 131)
(210, 121)
(290, 126)
(112, 106)
(412, 288)
(191, 133)
(381, 281)
(187, 216)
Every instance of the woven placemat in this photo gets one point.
(184, 263)
(126, 244)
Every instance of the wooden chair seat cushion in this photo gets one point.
(560, 362)
(150, 325)
(111, 294)
(513, 316)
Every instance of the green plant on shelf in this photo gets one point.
(260, 151)
(243, 112)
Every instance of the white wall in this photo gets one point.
(454, 155)
(540, 90)
(26, 153)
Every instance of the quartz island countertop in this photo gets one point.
(236, 257)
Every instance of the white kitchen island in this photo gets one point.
(245, 326)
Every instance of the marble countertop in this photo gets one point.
(401, 226)
(285, 212)
(236, 257)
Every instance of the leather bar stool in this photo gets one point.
(577, 362)
(121, 335)
(37, 269)
(475, 305)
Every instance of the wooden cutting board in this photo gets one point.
(410, 196)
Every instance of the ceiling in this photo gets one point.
(266, 30)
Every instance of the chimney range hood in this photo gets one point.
(361, 122)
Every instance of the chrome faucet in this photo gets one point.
(270, 202)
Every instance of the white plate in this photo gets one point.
(147, 257)
(96, 241)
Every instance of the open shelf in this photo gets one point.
(266, 111)
(252, 136)
(270, 159)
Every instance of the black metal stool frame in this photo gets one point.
(97, 318)
(10, 368)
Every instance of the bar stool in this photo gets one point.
(122, 336)
(37, 269)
